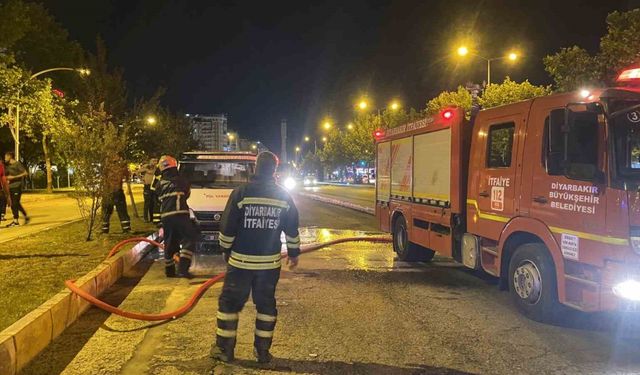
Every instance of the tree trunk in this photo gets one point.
(47, 161)
(92, 216)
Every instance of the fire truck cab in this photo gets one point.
(543, 194)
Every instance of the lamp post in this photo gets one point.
(16, 127)
(511, 56)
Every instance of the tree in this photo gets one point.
(96, 160)
(39, 109)
(345, 147)
(35, 41)
(620, 47)
(510, 92)
(460, 98)
(574, 67)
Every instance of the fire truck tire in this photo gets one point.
(532, 283)
(408, 251)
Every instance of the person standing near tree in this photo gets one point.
(115, 197)
(148, 178)
(5, 195)
(16, 173)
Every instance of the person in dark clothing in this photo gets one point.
(5, 195)
(115, 197)
(148, 178)
(16, 173)
(173, 191)
(255, 216)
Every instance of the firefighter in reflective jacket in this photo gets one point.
(115, 197)
(172, 191)
(253, 220)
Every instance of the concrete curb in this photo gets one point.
(26, 338)
(337, 202)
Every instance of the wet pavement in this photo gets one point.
(348, 309)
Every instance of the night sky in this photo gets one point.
(261, 61)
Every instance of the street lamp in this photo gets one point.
(394, 106)
(363, 104)
(324, 139)
(511, 56)
(306, 138)
(350, 126)
(151, 120)
(327, 125)
(81, 71)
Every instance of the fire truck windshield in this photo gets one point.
(217, 174)
(625, 126)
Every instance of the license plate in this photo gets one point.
(211, 237)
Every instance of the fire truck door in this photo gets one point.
(493, 192)
(573, 209)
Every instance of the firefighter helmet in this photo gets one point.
(167, 162)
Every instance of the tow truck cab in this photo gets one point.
(213, 176)
(543, 194)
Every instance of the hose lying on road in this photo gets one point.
(200, 291)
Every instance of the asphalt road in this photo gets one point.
(348, 309)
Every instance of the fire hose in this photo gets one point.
(193, 300)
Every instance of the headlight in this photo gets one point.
(192, 215)
(315, 181)
(289, 183)
(629, 289)
(306, 182)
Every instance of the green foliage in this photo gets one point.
(348, 146)
(510, 92)
(572, 68)
(97, 160)
(620, 47)
(460, 98)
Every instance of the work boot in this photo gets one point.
(262, 355)
(13, 224)
(183, 265)
(222, 354)
(169, 268)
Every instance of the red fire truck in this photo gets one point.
(542, 194)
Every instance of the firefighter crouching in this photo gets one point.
(254, 218)
(115, 197)
(172, 190)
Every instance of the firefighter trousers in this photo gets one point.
(238, 283)
(148, 203)
(115, 199)
(179, 230)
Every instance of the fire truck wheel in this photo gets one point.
(406, 250)
(532, 282)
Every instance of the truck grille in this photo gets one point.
(208, 216)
